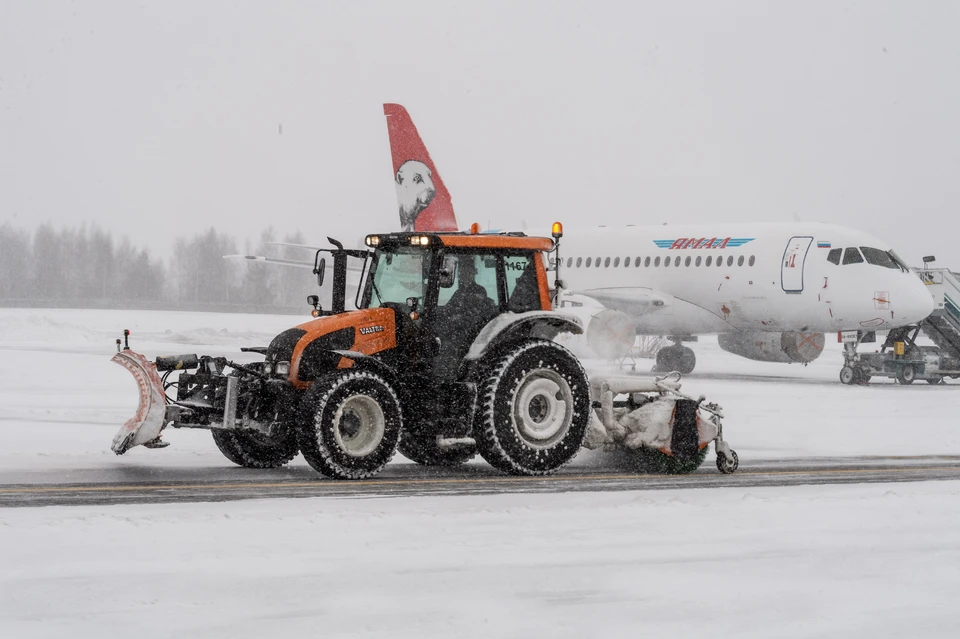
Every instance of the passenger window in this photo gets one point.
(606, 263)
(852, 256)
(709, 261)
(697, 263)
(588, 261)
(740, 261)
(686, 262)
(730, 260)
(616, 262)
(597, 263)
(834, 256)
(753, 258)
(569, 262)
(656, 262)
(878, 257)
(626, 261)
(523, 294)
(646, 262)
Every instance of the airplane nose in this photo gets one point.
(919, 302)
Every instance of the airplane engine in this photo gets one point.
(786, 347)
(610, 333)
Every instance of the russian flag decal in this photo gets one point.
(823, 244)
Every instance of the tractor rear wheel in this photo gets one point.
(254, 450)
(350, 424)
(424, 450)
(533, 409)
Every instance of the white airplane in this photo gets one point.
(770, 291)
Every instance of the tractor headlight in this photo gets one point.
(283, 369)
(373, 240)
(419, 240)
(267, 368)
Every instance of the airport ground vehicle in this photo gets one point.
(448, 354)
(900, 357)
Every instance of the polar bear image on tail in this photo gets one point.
(415, 191)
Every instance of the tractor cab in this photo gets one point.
(444, 290)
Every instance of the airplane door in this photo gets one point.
(791, 268)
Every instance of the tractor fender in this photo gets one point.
(366, 362)
(513, 326)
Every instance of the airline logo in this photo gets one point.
(703, 242)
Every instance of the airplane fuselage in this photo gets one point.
(689, 280)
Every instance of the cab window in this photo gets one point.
(473, 277)
(851, 255)
(398, 276)
(523, 292)
(834, 256)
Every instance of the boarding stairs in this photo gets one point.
(943, 325)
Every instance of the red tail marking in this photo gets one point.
(426, 213)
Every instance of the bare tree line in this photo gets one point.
(86, 267)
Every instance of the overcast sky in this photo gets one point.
(158, 119)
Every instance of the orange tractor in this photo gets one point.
(448, 354)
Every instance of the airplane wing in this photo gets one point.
(351, 267)
(301, 246)
(634, 301)
(271, 260)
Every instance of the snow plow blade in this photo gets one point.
(145, 426)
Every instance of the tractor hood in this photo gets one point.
(311, 347)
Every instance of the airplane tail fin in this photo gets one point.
(423, 201)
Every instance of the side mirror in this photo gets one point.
(319, 270)
(448, 272)
(412, 303)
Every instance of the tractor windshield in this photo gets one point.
(396, 276)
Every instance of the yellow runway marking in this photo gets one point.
(330, 483)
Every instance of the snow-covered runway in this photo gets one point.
(119, 486)
(870, 560)
(817, 561)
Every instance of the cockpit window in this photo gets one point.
(852, 255)
(878, 257)
(834, 256)
(900, 263)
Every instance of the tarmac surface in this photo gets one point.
(133, 485)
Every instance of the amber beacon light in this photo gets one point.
(557, 230)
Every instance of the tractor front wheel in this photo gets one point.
(350, 424)
(254, 450)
